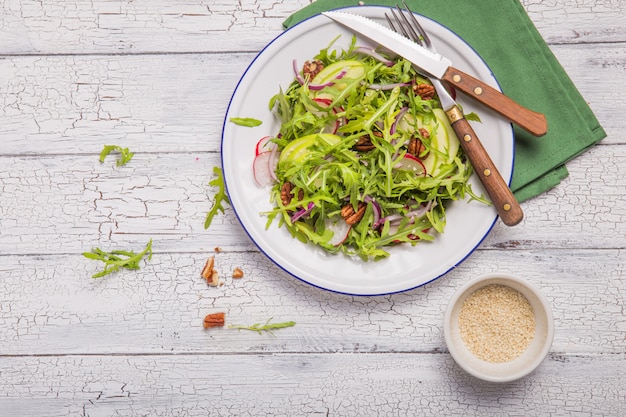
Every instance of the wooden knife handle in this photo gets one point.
(531, 121)
(501, 196)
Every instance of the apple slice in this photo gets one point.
(298, 149)
(332, 76)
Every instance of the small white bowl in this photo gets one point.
(522, 365)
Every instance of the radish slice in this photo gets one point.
(272, 162)
(261, 169)
(264, 144)
(409, 162)
(340, 230)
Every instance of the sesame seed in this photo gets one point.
(497, 323)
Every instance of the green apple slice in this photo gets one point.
(297, 150)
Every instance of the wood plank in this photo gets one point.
(141, 26)
(46, 208)
(315, 385)
(173, 103)
(52, 306)
(572, 21)
(183, 26)
(155, 103)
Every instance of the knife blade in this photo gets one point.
(437, 66)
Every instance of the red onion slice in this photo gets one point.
(302, 212)
(371, 52)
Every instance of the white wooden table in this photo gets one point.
(156, 76)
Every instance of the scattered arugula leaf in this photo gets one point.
(267, 327)
(118, 259)
(473, 117)
(246, 121)
(125, 154)
(220, 196)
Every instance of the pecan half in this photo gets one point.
(425, 91)
(214, 320)
(417, 148)
(364, 144)
(312, 68)
(286, 193)
(352, 217)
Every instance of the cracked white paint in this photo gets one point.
(156, 76)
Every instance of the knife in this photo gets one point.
(440, 67)
(504, 201)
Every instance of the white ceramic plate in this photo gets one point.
(408, 266)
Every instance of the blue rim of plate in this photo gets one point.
(286, 33)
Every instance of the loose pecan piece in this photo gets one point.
(352, 217)
(425, 91)
(237, 273)
(209, 273)
(312, 68)
(214, 320)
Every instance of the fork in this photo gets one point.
(506, 205)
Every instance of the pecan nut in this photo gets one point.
(425, 91)
(286, 193)
(364, 144)
(210, 274)
(417, 148)
(312, 68)
(350, 215)
(214, 320)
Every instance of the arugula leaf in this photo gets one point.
(473, 117)
(267, 327)
(220, 196)
(125, 154)
(117, 259)
(376, 116)
(246, 121)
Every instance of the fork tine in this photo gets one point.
(409, 31)
(391, 24)
(416, 25)
(400, 28)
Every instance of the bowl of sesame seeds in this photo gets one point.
(498, 327)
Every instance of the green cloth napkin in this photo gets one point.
(527, 71)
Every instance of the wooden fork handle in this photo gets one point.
(501, 196)
(531, 121)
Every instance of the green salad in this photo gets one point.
(365, 157)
